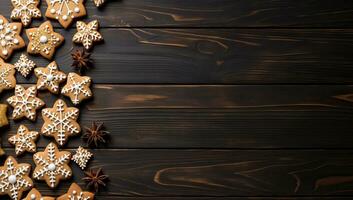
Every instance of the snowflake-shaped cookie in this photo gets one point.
(34, 194)
(65, 10)
(14, 178)
(60, 122)
(52, 165)
(24, 140)
(75, 193)
(7, 76)
(49, 77)
(25, 103)
(98, 3)
(24, 65)
(81, 157)
(25, 10)
(87, 34)
(77, 88)
(10, 38)
(43, 40)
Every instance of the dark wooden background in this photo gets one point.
(217, 99)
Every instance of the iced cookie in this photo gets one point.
(24, 65)
(10, 37)
(60, 122)
(14, 178)
(87, 34)
(24, 140)
(25, 10)
(25, 103)
(3, 117)
(77, 88)
(81, 157)
(34, 194)
(75, 192)
(98, 3)
(43, 40)
(52, 165)
(65, 11)
(7, 76)
(49, 78)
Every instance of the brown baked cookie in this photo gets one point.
(43, 40)
(75, 192)
(34, 194)
(7, 76)
(65, 11)
(25, 10)
(52, 165)
(25, 103)
(24, 140)
(14, 178)
(77, 88)
(60, 122)
(87, 34)
(49, 77)
(3, 117)
(10, 37)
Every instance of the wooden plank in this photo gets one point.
(226, 56)
(228, 198)
(218, 13)
(178, 173)
(196, 116)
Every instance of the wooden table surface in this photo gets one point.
(216, 99)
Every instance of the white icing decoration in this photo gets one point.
(24, 65)
(43, 39)
(77, 86)
(12, 179)
(81, 157)
(25, 10)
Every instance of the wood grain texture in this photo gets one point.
(218, 13)
(214, 116)
(225, 56)
(223, 173)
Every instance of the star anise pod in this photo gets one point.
(95, 178)
(95, 134)
(81, 59)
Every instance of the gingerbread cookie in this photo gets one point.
(24, 140)
(98, 3)
(25, 10)
(52, 165)
(14, 178)
(25, 103)
(77, 88)
(75, 193)
(43, 40)
(34, 194)
(60, 122)
(81, 157)
(10, 37)
(7, 76)
(3, 117)
(49, 77)
(24, 65)
(87, 34)
(65, 11)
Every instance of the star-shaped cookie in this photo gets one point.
(24, 65)
(25, 10)
(77, 88)
(52, 165)
(60, 122)
(49, 77)
(7, 76)
(34, 194)
(98, 3)
(75, 193)
(3, 117)
(14, 178)
(43, 40)
(87, 34)
(65, 10)
(25, 103)
(24, 140)
(10, 38)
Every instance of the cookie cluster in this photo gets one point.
(52, 165)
